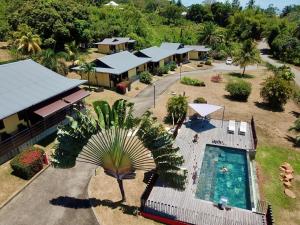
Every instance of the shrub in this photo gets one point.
(121, 87)
(217, 79)
(177, 107)
(28, 163)
(172, 66)
(200, 100)
(145, 77)
(276, 91)
(239, 90)
(192, 82)
(208, 62)
(200, 65)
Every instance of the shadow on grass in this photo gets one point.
(239, 75)
(78, 203)
(292, 140)
(265, 106)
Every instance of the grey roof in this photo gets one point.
(26, 83)
(178, 48)
(115, 41)
(198, 48)
(118, 63)
(156, 54)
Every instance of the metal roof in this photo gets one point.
(26, 83)
(199, 48)
(178, 48)
(115, 41)
(118, 63)
(156, 54)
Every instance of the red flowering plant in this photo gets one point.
(27, 163)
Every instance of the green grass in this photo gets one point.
(269, 159)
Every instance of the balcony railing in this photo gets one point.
(23, 136)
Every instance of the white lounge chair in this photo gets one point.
(243, 128)
(231, 126)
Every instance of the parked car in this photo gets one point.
(229, 61)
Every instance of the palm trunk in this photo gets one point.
(120, 182)
(89, 81)
(244, 71)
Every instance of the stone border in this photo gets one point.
(89, 196)
(22, 188)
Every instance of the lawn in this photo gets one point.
(269, 159)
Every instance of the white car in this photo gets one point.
(229, 61)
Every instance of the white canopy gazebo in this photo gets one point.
(206, 109)
(112, 3)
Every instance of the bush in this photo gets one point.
(172, 66)
(276, 91)
(145, 77)
(121, 87)
(162, 70)
(208, 62)
(177, 107)
(200, 65)
(239, 90)
(192, 82)
(28, 163)
(200, 100)
(217, 79)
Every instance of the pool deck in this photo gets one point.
(182, 205)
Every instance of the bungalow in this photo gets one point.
(34, 100)
(181, 52)
(198, 51)
(115, 44)
(158, 56)
(112, 69)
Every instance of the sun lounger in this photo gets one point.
(243, 128)
(231, 126)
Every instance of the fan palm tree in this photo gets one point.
(89, 69)
(247, 55)
(29, 43)
(119, 152)
(54, 61)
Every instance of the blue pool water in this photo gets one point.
(213, 183)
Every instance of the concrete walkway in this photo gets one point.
(59, 196)
(264, 48)
(56, 197)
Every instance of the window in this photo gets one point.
(1, 125)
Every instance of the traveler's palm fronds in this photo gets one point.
(119, 152)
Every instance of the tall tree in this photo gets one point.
(251, 4)
(88, 69)
(236, 4)
(209, 35)
(29, 43)
(72, 51)
(247, 55)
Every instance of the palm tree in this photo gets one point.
(72, 51)
(29, 43)
(119, 152)
(89, 69)
(247, 55)
(54, 61)
(209, 35)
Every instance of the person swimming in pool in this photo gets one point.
(224, 169)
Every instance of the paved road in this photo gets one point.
(264, 48)
(145, 100)
(56, 197)
(59, 196)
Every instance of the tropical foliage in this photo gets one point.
(238, 89)
(177, 108)
(120, 143)
(88, 70)
(145, 77)
(192, 82)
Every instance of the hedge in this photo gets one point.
(192, 82)
(27, 163)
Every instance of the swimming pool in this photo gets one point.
(232, 183)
